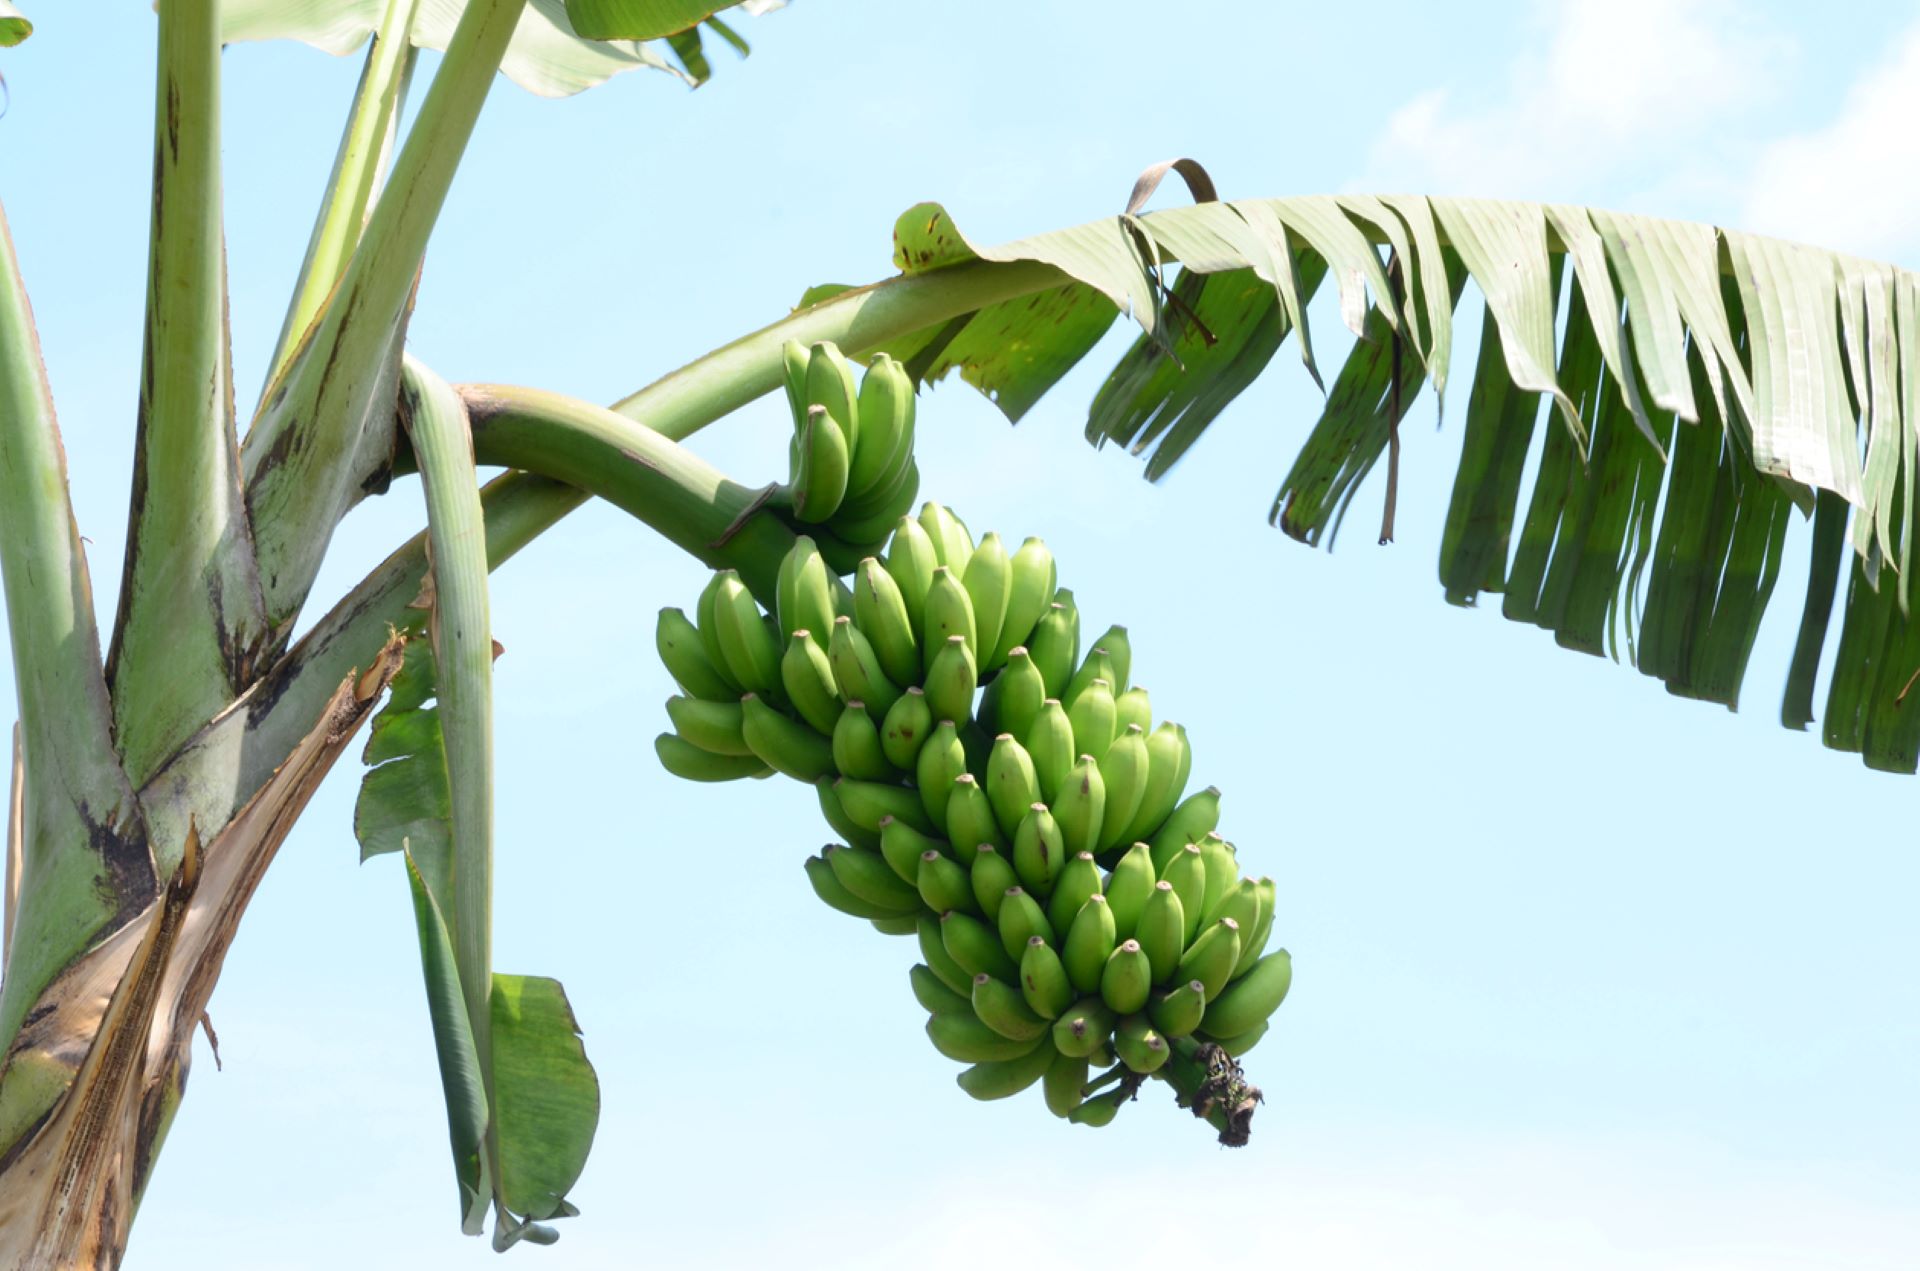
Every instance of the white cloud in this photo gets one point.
(1854, 184)
(1617, 89)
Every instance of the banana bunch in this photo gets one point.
(1002, 798)
(852, 471)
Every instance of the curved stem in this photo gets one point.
(570, 450)
(689, 501)
(682, 402)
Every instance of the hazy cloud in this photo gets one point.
(1855, 183)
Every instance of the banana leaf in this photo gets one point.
(1703, 384)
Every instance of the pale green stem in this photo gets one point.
(83, 858)
(358, 170)
(190, 618)
(300, 457)
(458, 629)
(860, 321)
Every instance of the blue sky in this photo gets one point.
(1587, 976)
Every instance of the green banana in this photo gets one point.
(1246, 1003)
(1126, 979)
(970, 820)
(1064, 598)
(903, 846)
(690, 763)
(976, 947)
(905, 728)
(1012, 787)
(751, 654)
(830, 889)
(1119, 656)
(900, 926)
(856, 745)
(1091, 715)
(911, 560)
(685, 657)
(868, 803)
(942, 884)
(1050, 744)
(808, 678)
(856, 669)
(1212, 956)
(1133, 707)
(1129, 888)
(1101, 1108)
(1083, 1028)
(1043, 979)
(820, 478)
(951, 681)
(1053, 648)
(886, 412)
(1001, 1008)
(1222, 869)
(1238, 1046)
(795, 356)
(1169, 759)
(1039, 849)
(709, 632)
(1020, 920)
(836, 816)
(803, 592)
(933, 951)
(1187, 871)
(1090, 942)
(831, 386)
(712, 726)
(1253, 941)
(933, 995)
(880, 611)
(965, 1038)
(1081, 805)
(842, 594)
(1014, 696)
(988, 579)
(1001, 1079)
(1098, 666)
(1190, 822)
(1242, 904)
(991, 879)
(1178, 1011)
(951, 542)
(1140, 1048)
(868, 876)
(949, 612)
(1162, 932)
(941, 761)
(1079, 881)
(1029, 591)
(785, 745)
(1123, 770)
(1065, 1078)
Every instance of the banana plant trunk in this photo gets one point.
(117, 1024)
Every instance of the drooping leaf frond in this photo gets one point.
(1697, 384)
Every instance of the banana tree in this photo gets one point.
(1698, 387)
